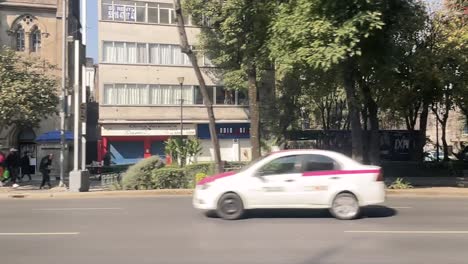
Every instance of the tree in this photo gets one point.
(350, 37)
(27, 90)
(234, 35)
(325, 35)
(185, 47)
(450, 53)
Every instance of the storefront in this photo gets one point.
(234, 141)
(129, 143)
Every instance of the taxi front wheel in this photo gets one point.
(230, 207)
(345, 206)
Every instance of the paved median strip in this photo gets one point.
(76, 209)
(41, 234)
(407, 232)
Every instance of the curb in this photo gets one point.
(440, 192)
(97, 194)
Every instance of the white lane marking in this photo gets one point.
(407, 232)
(40, 234)
(73, 209)
(394, 207)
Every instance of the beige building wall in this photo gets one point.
(116, 73)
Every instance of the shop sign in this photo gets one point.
(147, 130)
(121, 12)
(225, 131)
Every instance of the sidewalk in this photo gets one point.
(62, 193)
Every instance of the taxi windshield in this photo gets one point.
(253, 162)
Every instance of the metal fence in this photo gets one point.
(110, 179)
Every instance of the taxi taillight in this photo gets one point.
(380, 176)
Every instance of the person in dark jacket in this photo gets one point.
(12, 163)
(25, 166)
(44, 168)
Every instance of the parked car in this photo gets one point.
(293, 179)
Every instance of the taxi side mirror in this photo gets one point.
(261, 175)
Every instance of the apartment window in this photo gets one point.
(166, 54)
(145, 94)
(119, 52)
(126, 94)
(153, 94)
(20, 39)
(153, 13)
(170, 94)
(133, 53)
(154, 54)
(140, 12)
(36, 40)
(137, 11)
(142, 53)
(164, 14)
(223, 96)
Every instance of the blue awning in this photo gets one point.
(54, 137)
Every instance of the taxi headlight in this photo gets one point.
(204, 186)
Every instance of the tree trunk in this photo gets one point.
(254, 112)
(421, 140)
(353, 107)
(374, 137)
(185, 47)
(444, 139)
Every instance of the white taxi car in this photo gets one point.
(293, 179)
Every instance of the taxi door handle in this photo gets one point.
(289, 180)
(335, 178)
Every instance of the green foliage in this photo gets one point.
(28, 89)
(199, 176)
(399, 183)
(182, 148)
(193, 169)
(169, 178)
(139, 176)
(311, 33)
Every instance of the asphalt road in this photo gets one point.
(167, 230)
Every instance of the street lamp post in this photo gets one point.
(181, 82)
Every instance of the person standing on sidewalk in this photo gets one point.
(25, 166)
(12, 164)
(44, 168)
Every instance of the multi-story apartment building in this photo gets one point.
(34, 28)
(140, 62)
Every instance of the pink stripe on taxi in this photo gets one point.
(337, 172)
(215, 177)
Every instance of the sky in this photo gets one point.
(92, 15)
(92, 27)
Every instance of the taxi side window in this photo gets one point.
(283, 165)
(315, 162)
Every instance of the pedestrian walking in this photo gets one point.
(12, 163)
(44, 168)
(26, 166)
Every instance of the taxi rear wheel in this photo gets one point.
(230, 207)
(345, 206)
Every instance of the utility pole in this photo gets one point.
(76, 108)
(63, 110)
(83, 87)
